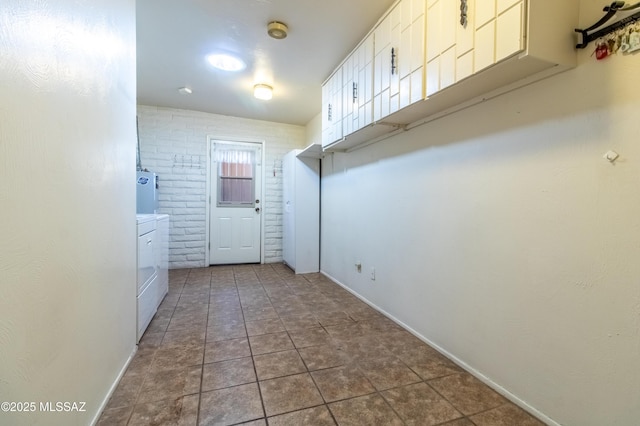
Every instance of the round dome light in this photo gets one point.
(226, 62)
(277, 30)
(263, 91)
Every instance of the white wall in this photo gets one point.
(501, 235)
(313, 130)
(173, 143)
(67, 163)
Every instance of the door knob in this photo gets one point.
(257, 209)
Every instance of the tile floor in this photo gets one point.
(258, 345)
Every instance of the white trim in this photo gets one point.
(469, 369)
(211, 139)
(113, 387)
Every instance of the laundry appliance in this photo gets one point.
(146, 193)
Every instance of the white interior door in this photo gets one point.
(236, 206)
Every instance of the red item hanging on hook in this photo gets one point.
(602, 51)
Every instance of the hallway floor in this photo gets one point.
(258, 345)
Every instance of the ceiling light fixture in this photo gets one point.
(185, 91)
(226, 62)
(263, 91)
(277, 30)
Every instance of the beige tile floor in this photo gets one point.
(258, 345)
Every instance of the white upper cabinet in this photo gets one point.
(349, 81)
(332, 109)
(365, 54)
(347, 96)
(500, 26)
(399, 59)
(427, 56)
(384, 65)
(494, 45)
(412, 52)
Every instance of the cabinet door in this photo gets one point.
(418, 8)
(448, 68)
(509, 32)
(382, 40)
(485, 11)
(433, 76)
(449, 10)
(433, 48)
(400, 47)
(404, 58)
(354, 91)
(417, 85)
(417, 43)
(332, 109)
(406, 14)
(326, 117)
(433, 32)
(484, 49)
(464, 66)
(417, 58)
(365, 82)
(347, 98)
(465, 34)
(336, 101)
(382, 68)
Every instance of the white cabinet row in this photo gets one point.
(425, 56)
(348, 95)
(494, 32)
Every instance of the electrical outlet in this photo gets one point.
(373, 274)
(359, 267)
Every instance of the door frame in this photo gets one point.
(211, 139)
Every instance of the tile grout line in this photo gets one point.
(253, 361)
(204, 348)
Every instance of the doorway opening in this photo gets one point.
(235, 202)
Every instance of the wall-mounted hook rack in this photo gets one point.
(610, 11)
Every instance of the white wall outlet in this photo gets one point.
(373, 274)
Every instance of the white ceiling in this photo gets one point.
(174, 36)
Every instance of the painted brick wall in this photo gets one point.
(173, 143)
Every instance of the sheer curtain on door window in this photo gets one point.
(236, 173)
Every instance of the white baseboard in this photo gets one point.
(113, 387)
(462, 364)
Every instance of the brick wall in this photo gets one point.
(173, 143)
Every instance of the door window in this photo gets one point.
(236, 175)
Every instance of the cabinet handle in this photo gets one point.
(329, 113)
(355, 92)
(393, 61)
(463, 13)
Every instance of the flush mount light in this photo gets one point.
(277, 30)
(185, 91)
(263, 91)
(226, 62)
